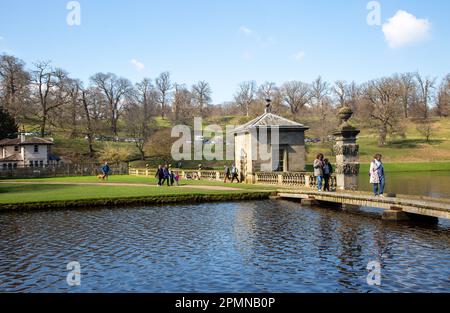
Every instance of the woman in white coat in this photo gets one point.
(376, 173)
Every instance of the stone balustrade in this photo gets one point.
(290, 179)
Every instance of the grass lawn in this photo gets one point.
(18, 193)
(412, 149)
(129, 179)
(13, 193)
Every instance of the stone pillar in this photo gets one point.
(307, 181)
(346, 151)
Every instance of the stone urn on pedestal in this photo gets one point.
(346, 151)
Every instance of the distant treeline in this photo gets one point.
(108, 105)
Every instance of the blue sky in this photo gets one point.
(228, 41)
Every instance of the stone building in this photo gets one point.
(26, 152)
(255, 154)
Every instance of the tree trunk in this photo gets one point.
(91, 149)
(89, 126)
(43, 125)
(382, 135)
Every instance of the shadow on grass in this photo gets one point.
(30, 188)
(411, 143)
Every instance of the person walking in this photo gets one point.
(234, 173)
(105, 170)
(166, 176)
(227, 174)
(327, 171)
(171, 176)
(318, 170)
(177, 178)
(377, 177)
(160, 175)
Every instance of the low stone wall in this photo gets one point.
(89, 169)
(293, 179)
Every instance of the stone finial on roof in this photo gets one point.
(268, 120)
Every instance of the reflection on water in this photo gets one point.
(264, 246)
(432, 184)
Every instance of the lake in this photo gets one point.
(432, 184)
(256, 246)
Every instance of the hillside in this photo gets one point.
(410, 148)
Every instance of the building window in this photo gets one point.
(36, 148)
(15, 165)
(16, 148)
(36, 163)
(41, 163)
(4, 166)
(31, 163)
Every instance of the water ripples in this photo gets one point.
(265, 246)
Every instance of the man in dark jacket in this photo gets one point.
(327, 171)
(105, 170)
(227, 174)
(166, 176)
(160, 175)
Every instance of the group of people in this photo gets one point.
(231, 174)
(166, 175)
(322, 171)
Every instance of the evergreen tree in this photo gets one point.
(8, 126)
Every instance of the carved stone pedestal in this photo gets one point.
(346, 151)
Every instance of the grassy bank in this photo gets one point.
(46, 196)
(129, 179)
(412, 148)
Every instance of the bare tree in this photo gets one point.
(201, 93)
(340, 89)
(182, 104)
(319, 95)
(269, 90)
(164, 86)
(383, 106)
(87, 100)
(245, 96)
(74, 92)
(407, 89)
(114, 89)
(425, 86)
(136, 126)
(443, 98)
(14, 85)
(144, 95)
(425, 128)
(64, 96)
(44, 82)
(296, 94)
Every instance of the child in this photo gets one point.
(177, 178)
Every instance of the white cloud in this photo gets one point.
(245, 30)
(247, 55)
(299, 56)
(261, 40)
(404, 28)
(137, 64)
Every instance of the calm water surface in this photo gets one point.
(261, 246)
(432, 184)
